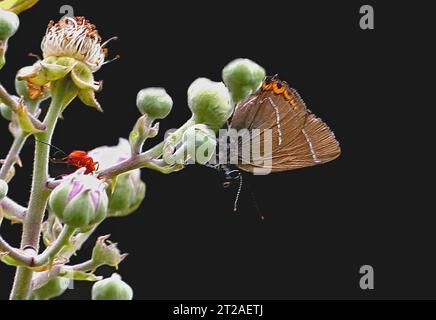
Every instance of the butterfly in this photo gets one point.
(296, 139)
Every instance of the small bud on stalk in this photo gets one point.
(154, 102)
(210, 103)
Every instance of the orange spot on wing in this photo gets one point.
(277, 89)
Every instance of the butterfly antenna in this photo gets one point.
(238, 194)
(256, 206)
(48, 144)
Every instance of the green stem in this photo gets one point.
(39, 193)
(50, 253)
(14, 152)
(144, 159)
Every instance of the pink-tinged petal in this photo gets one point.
(95, 198)
(75, 190)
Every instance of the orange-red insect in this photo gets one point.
(80, 159)
(77, 158)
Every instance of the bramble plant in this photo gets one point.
(107, 182)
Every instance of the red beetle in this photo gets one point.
(81, 159)
(77, 158)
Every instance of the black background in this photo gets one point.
(322, 223)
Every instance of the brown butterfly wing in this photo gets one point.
(299, 138)
(264, 110)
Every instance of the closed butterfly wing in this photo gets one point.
(296, 139)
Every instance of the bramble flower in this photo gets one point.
(128, 190)
(71, 47)
(209, 102)
(80, 201)
(112, 288)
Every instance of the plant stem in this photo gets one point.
(144, 159)
(12, 210)
(14, 152)
(86, 266)
(14, 253)
(42, 277)
(39, 193)
(51, 252)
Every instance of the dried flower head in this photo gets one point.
(76, 38)
(71, 47)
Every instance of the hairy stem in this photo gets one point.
(13, 154)
(42, 277)
(143, 160)
(12, 210)
(50, 253)
(39, 193)
(15, 254)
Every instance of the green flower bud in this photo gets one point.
(209, 102)
(53, 288)
(107, 253)
(9, 24)
(80, 201)
(128, 191)
(128, 194)
(154, 102)
(200, 143)
(6, 112)
(112, 288)
(3, 189)
(242, 77)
